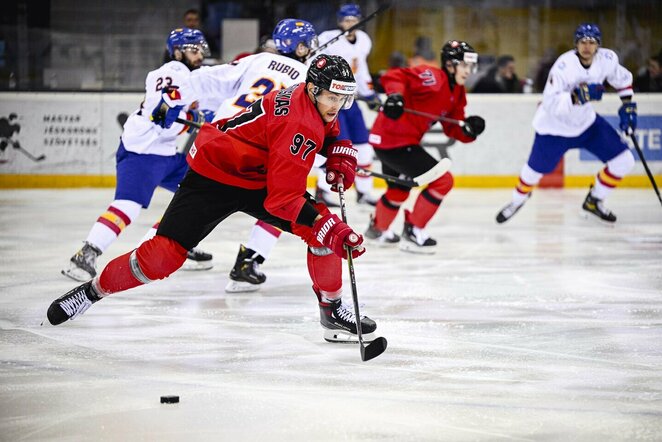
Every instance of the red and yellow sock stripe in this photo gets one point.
(523, 187)
(114, 219)
(608, 179)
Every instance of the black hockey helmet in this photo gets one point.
(457, 51)
(331, 72)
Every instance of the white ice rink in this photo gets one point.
(547, 328)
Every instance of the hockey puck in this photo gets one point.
(169, 399)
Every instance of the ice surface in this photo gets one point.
(545, 328)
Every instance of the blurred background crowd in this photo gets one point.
(96, 45)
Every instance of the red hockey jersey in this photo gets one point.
(271, 144)
(425, 89)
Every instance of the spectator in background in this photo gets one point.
(423, 53)
(544, 66)
(192, 19)
(650, 80)
(500, 78)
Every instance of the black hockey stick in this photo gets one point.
(188, 123)
(643, 162)
(28, 154)
(435, 117)
(437, 171)
(376, 347)
(379, 10)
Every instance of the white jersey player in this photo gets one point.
(355, 48)
(147, 155)
(566, 119)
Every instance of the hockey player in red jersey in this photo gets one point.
(396, 136)
(256, 162)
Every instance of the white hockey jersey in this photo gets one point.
(355, 53)
(239, 84)
(557, 115)
(140, 134)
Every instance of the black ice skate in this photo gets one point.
(322, 196)
(196, 259)
(416, 240)
(509, 211)
(339, 322)
(364, 199)
(380, 237)
(71, 304)
(82, 266)
(246, 276)
(595, 207)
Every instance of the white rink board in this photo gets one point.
(79, 133)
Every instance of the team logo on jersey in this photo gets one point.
(342, 87)
(193, 151)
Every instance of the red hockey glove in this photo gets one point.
(341, 159)
(335, 234)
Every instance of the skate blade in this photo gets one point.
(241, 287)
(595, 219)
(194, 266)
(345, 337)
(77, 274)
(412, 248)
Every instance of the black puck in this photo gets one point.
(169, 399)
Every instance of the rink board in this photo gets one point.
(78, 133)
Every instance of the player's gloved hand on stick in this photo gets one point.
(335, 234)
(628, 115)
(341, 160)
(588, 92)
(473, 126)
(199, 116)
(166, 112)
(373, 102)
(394, 106)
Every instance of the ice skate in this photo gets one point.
(71, 304)
(509, 211)
(196, 259)
(380, 237)
(322, 196)
(365, 199)
(339, 322)
(416, 240)
(595, 207)
(82, 266)
(246, 276)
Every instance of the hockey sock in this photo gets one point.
(112, 222)
(263, 238)
(528, 179)
(424, 209)
(388, 206)
(612, 174)
(155, 259)
(325, 269)
(366, 153)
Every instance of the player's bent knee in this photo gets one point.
(396, 195)
(442, 185)
(157, 258)
(622, 163)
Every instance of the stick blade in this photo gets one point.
(437, 171)
(374, 349)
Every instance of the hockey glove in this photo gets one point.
(588, 92)
(473, 126)
(335, 235)
(628, 115)
(166, 112)
(394, 106)
(373, 102)
(199, 117)
(341, 160)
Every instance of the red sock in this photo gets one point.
(424, 209)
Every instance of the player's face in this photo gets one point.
(462, 72)
(302, 51)
(329, 104)
(193, 56)
(586, 48)
(347, 23)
